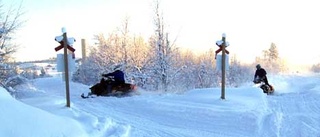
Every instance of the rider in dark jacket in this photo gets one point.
(117, 76)
(261, 74)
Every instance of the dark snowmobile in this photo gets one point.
(265, 88)
(120, 90)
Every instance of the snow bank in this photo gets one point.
(33, 121)
(245, 112)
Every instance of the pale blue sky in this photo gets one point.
(250, 25)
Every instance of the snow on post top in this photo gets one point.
(59, 38)
(71, 41)
(64, 30)
(227, 44)
(219, 42)
(224, 35)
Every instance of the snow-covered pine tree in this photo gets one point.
(271, 60)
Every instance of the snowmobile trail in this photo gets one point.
(293, 110)
(293, 113)
(135, 118)
(159, 115)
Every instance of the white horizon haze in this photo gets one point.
(250, 26)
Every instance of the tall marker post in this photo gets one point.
(222, 44)
(66, 68)
(65, 44)
(83, 47)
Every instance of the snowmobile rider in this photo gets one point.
(117, 76)
(261, 75)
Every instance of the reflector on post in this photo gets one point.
(219, 63)
(60, 63)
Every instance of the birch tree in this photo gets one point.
(10, 22)
(164, 51)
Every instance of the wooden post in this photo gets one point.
(223, 80)
(83, 44)
(66, 68)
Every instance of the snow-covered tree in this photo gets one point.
(315, 68)
(10, 21)
(271, 60)
(185, 79)
(156, 64)
(117, 48)
(164, 53)
(101, 59)
(205, 70)
(138, 62)
(238, 73)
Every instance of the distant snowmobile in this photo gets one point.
(265, 88)
(121, 90)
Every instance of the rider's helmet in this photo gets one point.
(258, 66)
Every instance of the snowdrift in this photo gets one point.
(43, 123)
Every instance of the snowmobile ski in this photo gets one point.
(87, 96)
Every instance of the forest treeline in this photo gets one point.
(157, 63)
(154, 63)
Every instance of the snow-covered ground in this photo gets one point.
(39, 111)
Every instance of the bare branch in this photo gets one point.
(10, 22)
